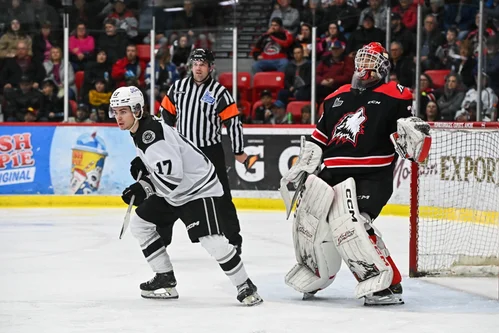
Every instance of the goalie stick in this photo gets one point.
(288, 202)
(126, 220)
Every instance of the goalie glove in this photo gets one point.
(412, 140)
(309, 159)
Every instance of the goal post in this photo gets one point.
(454, 202)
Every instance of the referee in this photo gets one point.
(199, 105)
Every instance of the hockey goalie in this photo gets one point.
(348, 166)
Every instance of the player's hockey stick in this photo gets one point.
(126, 220)
(288, 202)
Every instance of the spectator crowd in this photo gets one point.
(105, 36)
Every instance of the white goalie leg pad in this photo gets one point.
(366, 261)
(317, 257)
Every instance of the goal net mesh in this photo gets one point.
(458, 197)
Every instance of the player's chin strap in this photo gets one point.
(136, 119)
(412, 140)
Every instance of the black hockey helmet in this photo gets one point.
(202, 55)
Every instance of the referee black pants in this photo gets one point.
(227, 210)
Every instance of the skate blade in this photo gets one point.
(307, 296)
(252, 300)
(162, 293)
(383, 300)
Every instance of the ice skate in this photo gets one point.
(247, 294)
(162, 286)
(390, 296)
(309, 295)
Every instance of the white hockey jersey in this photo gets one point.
(179, 171)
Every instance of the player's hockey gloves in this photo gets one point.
(136, 166)
(309, 159)
(412, 140)
(141, 190)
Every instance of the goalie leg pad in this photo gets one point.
(366, 261)
(317, 257)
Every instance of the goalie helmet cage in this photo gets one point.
(454, 202)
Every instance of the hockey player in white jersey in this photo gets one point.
(178, 182)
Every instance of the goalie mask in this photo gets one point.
(371, 66)
(127, 96)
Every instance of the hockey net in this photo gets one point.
(455, 203)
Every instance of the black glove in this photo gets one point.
(141, 189)
(137, 165)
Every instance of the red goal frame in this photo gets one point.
(414, 195)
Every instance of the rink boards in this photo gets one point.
(69, 165)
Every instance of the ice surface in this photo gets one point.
(66, 271)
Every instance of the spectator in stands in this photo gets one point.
(21, 64)
(492, 62)
(44, 12)
(333, 71)
(462, 115)
(450, 101)
(102, 114)
(18, 100)
(87, 13)
(270, 50)
(54, 69)
(436, 9)
(125, 19)
(427, 93)
(466, 64)
(493, 10)
(459, 14)
(305, 40)
(407, 9)
(313, 14)
(9, 41)
(53, 105)
(432, 112)
(364, 35)
(30, 115)
(289, 16)
(448, 53)
(165, 72)
(279, 114)
(81, 47)
(189, 20)
(489, 30)
(403, 35)
(129, 69)
(432, 39)
(297, 78)
(181, 49)
(82, 115)
(489, 100)
(22, 12)
(98, 69)
(342, 14)
(99, 95)
(263, 113)
(113, 42)
(402, 65)
(306, 114)
(332, 34)
(44, 41)
(377, 9)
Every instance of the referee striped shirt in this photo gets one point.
(199, 111)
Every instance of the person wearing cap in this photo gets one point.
(199, 106)
(290, 16)
(403, 35)
(366, 34)
(9, 40)
(18, 100)
(377, 9)
(125, 18)
(82, 115)
(279, 114)
(333, 71)
(263, 113)
(271, 49)
(297, 77)
(53, 105)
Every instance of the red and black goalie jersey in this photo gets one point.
(354, 130)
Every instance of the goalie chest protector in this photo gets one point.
(354, 129)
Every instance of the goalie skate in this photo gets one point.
(389, 296)
(161, 286)
(247, 294)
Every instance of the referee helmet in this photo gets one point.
(202, 55)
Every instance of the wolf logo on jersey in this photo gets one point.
(349, 127)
